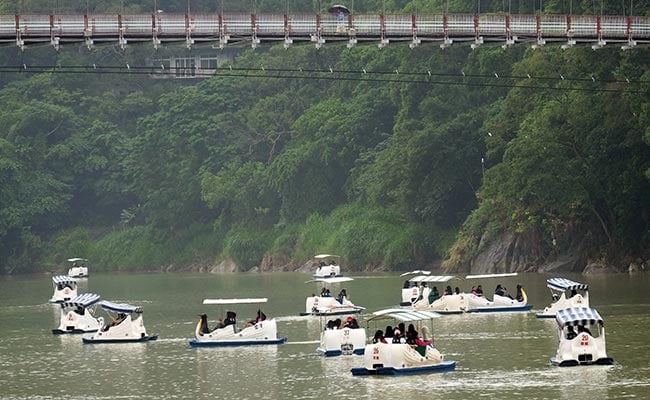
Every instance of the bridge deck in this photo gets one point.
(253, 29)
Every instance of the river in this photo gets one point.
(502, 355)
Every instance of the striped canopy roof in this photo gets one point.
(120, 307)
(431, 278)
(578, 316)
(562, 284)
(83, 300)
(403, 315)
(64, 279)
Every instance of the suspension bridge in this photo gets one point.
(231, 29)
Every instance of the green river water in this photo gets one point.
(500, 355)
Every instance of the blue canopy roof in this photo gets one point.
(120, 307)
(63, 279)
(578, 316)
(565, 284)
(83, 300)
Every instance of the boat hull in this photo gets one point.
(576, 363)
(71, 331)
(91, 339)
(527, 307)
(427, 369)
(235, 343)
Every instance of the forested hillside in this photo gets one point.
(487, 174)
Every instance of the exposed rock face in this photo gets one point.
(509, 252)
(227, 265)
(599, 268)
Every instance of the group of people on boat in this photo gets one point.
(343, 294)
(502, 291)
(231, 319)
(401, 335)
(571, 333)
(350, 323)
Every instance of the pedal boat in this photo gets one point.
(474, 303)
(76, 270)
(568, 296)
(326, 270)
(257, 332)
(124, 327)
(329, 305)
(581, 338)
(401, 358)
(65, 288)
(77, 315)
(416, 295)
(341, 341)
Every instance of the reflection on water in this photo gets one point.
(503, 355)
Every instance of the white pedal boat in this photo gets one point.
(499, 303)
(77, 316)
(581, 338)
(401, 358)
(327, 268)
(324, 305)
(65, 288)
(124, 328)
(569, 296)
(347, 340)
(417, 290)
(78, 268)
(423, 295)
(260, 331)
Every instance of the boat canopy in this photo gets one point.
(83, 300)
(490, 275)
(403, 315)
(334, 279)
(235, 301)
(320, 256)
(63, 279)
(120, 307)
(578, 316)
(417, 271)
(431, 278)
(76, 259)
(563, 284)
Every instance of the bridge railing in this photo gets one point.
(169, 26)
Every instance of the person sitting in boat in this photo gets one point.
(407, 284)
(457, 290)
(520, 294)
(79, 310)
(473, 290)
(342, 296)
(479, 290)
(448, 291)
(230, 319)
(260, 316)
(116, 321)
(411, 335)
(389, 331)
(421, 295)
(499, 290)
(379, 337)
(570, 334)
(573, 293)
(398, 337)
(351, 323)
(433, 295)
(583, 329)
(204, 325)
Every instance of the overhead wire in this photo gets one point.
(394, 76)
